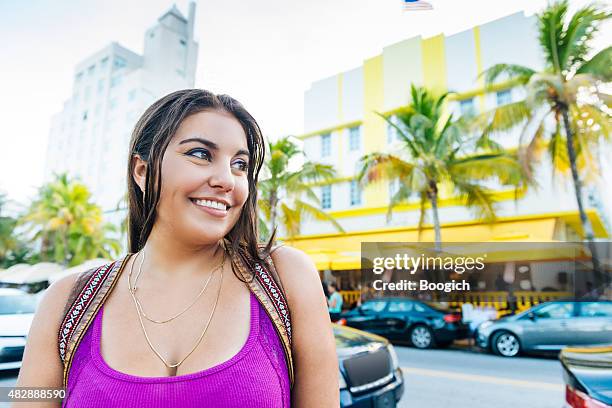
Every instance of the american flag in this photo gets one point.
(416, 5)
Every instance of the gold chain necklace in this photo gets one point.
(134, 288)
(199, 339)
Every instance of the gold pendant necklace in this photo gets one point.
(139, 304)
(174, 366)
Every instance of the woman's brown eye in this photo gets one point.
(199, 153)
(244, 166)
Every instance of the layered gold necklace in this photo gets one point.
(141, 313)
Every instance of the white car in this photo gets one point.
(16, 313)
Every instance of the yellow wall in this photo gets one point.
(374, 129)
(479, 67)
(434, 64)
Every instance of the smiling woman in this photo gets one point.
(210, 317)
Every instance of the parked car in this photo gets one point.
(549, 326)
(402, 320)
(16, 313)
(587, 372)
(370, 375)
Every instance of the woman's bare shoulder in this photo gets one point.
(298, 274)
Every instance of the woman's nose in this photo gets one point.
(222, 176)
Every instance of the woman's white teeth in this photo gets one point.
(212, 204)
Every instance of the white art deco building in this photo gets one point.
(90, 137)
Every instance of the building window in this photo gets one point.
(325, 145)
(112, 104)
(326, 197)
(119, 62)
(354, 138)
(131, 95)
(86, 93)
(78, 77)
(84, 115)
(91, 70)
(104, 63)
(355, 193)
(466, 107)
(100, 86)
(503, 97)
(116, 80)
(183, 42)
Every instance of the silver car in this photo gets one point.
(548, 327)
(16, 313)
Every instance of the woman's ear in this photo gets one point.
(140, 172)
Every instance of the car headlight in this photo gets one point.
(484, 325)
(394, 359)
(342, 381)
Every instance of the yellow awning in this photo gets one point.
(342, 251)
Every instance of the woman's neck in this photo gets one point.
(167, 256)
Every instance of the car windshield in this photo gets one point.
(17, 304)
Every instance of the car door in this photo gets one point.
(548, 329)
(370, 316)
(593, 325)
(397, 318)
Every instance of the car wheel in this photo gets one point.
(506, 344)
(421, 337)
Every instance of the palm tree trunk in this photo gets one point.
(587, 227)
(273, 203)
(433, 197)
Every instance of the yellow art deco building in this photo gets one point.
(341, 125)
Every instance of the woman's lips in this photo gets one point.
(212, 211)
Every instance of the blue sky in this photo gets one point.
(264, 53)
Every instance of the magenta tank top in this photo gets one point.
(256, 377)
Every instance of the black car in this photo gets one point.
(588, 376)
(370, 375)
(403, 320)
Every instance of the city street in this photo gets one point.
(459, 378)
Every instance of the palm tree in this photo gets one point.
(282, 190)
(8, 240)
(67, 224)
(568, 90)
(436, 157)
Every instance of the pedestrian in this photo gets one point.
(198, 313)
(334, 302)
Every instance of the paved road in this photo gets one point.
(459, 378)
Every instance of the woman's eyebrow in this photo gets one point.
(212, 145)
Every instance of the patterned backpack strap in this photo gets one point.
(264, 282)
(88, 294)
(270, 280)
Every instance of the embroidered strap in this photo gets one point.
(263, 280)
(88, 294)
(78, 307)
(270, 282)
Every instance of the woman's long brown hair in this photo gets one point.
(151, 137)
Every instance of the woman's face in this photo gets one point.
(204, 177)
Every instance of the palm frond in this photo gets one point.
(600, 65)
(511, 72)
